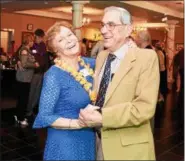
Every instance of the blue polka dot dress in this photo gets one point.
(63, 96)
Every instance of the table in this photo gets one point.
(8, 82)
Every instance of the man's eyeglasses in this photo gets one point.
(110, 26)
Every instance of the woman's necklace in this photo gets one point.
(79, 76)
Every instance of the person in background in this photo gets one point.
(17, 61)
(97, 48)
(181, 94)
(131, 42)
(3, 55)
(39, 52)
(24, 77)
(12, 48)
(162, 45)
(163, 85)
(176, 74)
(52, 57)
(2, 51)
(143, 39)
(179, 71)
(84, 47)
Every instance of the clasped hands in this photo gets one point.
(90, 117)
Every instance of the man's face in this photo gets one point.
(38, 39)
(113, 31)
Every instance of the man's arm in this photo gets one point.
(142, 108)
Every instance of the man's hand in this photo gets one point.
(90, 117)
(37, 64)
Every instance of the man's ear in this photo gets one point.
(129, 29)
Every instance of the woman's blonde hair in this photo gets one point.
(27, 39)
(52, 31)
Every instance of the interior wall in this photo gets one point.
(157, 34)
(179, 35)
(19, 23)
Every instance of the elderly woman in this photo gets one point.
(24, 76)
(66, 90)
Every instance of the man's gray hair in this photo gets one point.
(144, 36)
(125, 16)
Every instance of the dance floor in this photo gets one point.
(28, 144)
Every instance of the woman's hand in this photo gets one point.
(19, 65)
(81, 124)
(37, 64)
(76, 124)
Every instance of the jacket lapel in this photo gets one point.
(125, 66)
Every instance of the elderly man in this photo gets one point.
(143, 39)
(127, 83)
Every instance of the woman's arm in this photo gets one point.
(63, 123)
(47, 117)
(24, 60)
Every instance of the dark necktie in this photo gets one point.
(105, 81)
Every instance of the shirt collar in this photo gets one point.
(121, 51)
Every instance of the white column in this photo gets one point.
(78, 16)
(170, 49)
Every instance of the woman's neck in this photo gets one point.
(72, 61)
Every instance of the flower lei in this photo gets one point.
(79, 76)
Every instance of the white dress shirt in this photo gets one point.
(120, 54)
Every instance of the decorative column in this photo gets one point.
(170, 50)
(78, 16)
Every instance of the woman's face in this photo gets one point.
(66, 43)
(31, 44)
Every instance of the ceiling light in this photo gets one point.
(164, 19)
(86, 21)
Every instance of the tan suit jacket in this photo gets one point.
(129, 105)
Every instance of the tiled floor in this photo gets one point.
(27, 144)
